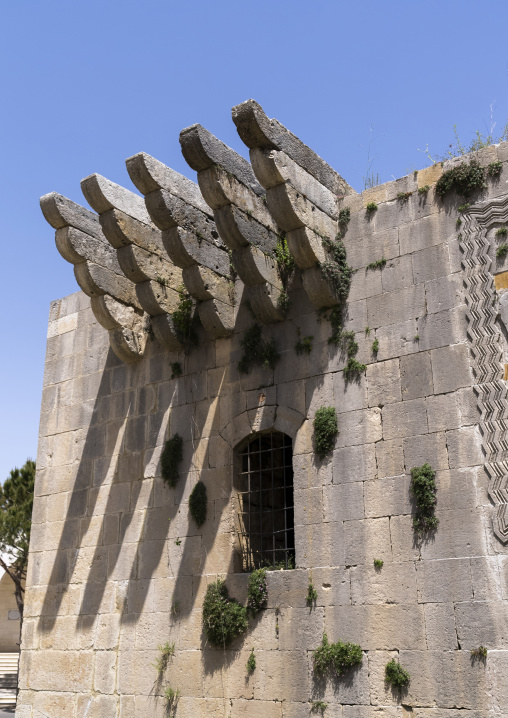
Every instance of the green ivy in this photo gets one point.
(170, 459)
(198, 503)
(464, 179)
(395, 675)
(224, 618)
(257, 351)
(325, 430)
(336, 658)
(423, 488)
(257, 591)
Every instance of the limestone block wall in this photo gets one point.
(117, 566)
(9, 623)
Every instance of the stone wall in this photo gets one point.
(9, 617)
(117, 566)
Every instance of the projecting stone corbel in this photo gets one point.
(302, 193)
(80, 240)
(243, 219)
(190, 239)
(127, 226)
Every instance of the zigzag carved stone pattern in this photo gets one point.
(486, 350)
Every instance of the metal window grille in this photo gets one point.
(265, 496)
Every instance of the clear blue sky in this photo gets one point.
(86, 84)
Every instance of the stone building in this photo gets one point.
(409, 350)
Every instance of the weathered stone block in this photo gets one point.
(393, 583)
(359, 427)
(354, 463)
(416, 375)
(406, 418)
(442, 329)
(349, 395)
(450, 368)
(343, 502)
(444, 293)
(431, 263)
(444, 581)
(390, 458)
(365, 540)
(387, 497)
(383, 381)
(396, 307)
(440, 626)
(396, 340)
(427, 449)
(443, 412)
(464, 447)
(397, 274)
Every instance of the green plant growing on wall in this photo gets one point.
(175, 608)
(166, 651)
(494, 169)
(198, 503)
(367, 331)
(375, 346)
(257, 351)
(395, 675)
(318, 707)
(353, 369)
(344, 216)
(304, 344)
(311, 595)
(424, 189)
(325, 430)
(171, 458)
(224, 618)
(336, 270)
(464, 178)
(171, 698)
(423, 488)
(257, 591)
(501, 232)
(251, 662)
(336, 658)
(463, 207)
(176, 369)
(285, 269)
(378, 563)
(378, 264)
(502, 251)
(404, 196)
(479, 653)
(371, 207)
(458, 222)
(184, 320)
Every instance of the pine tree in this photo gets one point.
(16, 501)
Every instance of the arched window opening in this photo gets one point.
(265, 495)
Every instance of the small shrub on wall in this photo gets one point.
(223, 617)
(325, 430)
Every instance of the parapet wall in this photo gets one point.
(118, 567)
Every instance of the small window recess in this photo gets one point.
(264, 482)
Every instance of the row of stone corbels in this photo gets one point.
(303, 193)
(132, 258)
(81, 241)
